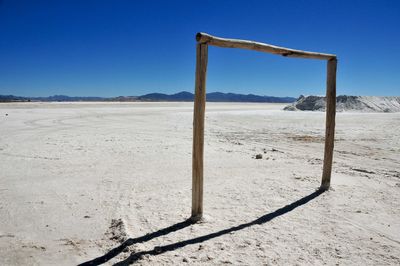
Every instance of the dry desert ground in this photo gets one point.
(111, 182)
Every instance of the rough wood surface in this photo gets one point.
(198, 131)
(258, 46)
(204, 40)
(330, 122)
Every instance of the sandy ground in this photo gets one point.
(78, 179)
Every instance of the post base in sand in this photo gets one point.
(196, 218)
(324, 187)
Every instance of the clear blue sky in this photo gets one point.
(111, 48)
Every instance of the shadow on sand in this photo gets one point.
(162, 249)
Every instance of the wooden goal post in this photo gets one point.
(203, 41)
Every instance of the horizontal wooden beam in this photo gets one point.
(258, 46)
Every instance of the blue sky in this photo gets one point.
(111, 48)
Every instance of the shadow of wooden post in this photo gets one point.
(203, 41)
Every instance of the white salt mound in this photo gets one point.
(348, 103)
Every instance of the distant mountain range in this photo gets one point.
(183, 96)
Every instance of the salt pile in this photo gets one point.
(347, 103)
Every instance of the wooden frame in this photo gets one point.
(203, 41)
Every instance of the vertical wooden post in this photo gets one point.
(330, 122)
(198, 131)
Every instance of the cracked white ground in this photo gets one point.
(77, 179)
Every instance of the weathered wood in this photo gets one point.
(198, 131)
(200, 99)
(258, 46)
(330, 123)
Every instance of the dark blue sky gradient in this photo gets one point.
(111, 48)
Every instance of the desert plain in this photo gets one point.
(111, 183)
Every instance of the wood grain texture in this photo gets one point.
(204, 40)
(258, 46)
(198, 131)
(330, 123)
